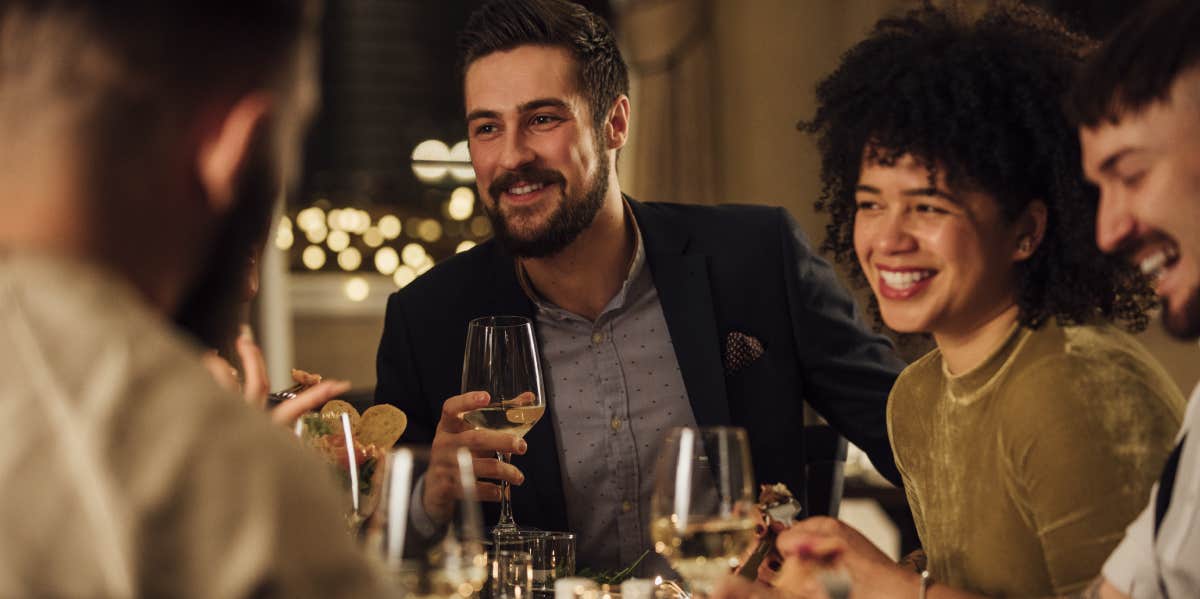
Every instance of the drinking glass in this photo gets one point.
(551, 556)
(501, 357)
(702, 510)
(452, 564)
(512, 573)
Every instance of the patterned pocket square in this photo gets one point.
(741, 350)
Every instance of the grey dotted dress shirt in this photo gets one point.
(616, 390)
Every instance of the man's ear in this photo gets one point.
(616, 130)
(1031, 228)
(225, 144)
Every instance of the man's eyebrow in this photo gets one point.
(482, 114)
(524, 107)
(866, 188)
(1111, 162)
(543, 103)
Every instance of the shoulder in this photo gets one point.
(918, 378)
(1095, 375)
(1081, 361)
(714, 229)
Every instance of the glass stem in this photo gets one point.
(506, 525)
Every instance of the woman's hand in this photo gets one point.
(821, 542)
(256, 386)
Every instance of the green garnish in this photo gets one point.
(612, 578)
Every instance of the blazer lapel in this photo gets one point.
(686, 297)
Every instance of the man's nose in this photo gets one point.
(1114, 223)
(516, 152)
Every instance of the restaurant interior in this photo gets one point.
(388, 187)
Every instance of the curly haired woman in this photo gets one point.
(1030, 437)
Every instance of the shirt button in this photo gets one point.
(616, 424)
(626, 506)
(597, 338)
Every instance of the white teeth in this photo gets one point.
(524, 189)
(904, 280)
(1153, 263)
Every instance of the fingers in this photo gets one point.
(525, 399)
(310, 399)
(454, 408)
(496, 470)
(488, 492)
(808, 545)
(221, 371)
(307, 379)
(254, 369)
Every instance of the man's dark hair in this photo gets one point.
(129, 78)
(506, 24)
(977, 100)
(1138, 64)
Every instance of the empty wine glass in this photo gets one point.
(452, 564)
(702, 510)
(501, 357)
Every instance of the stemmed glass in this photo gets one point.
(501, 357)
(702, 510)
(452, 564)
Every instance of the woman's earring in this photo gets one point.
(1026, 245)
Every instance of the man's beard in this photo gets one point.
(215, 302)
(572, 216)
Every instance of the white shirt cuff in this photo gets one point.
(1131, 568)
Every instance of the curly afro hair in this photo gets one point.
(978, 100)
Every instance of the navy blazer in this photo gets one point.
(717, 269)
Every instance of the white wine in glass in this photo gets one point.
(501, 358)
(702, 511)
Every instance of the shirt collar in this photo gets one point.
(631, 288)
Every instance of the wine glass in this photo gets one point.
(702, 510)
(501, 357)
(453, 564)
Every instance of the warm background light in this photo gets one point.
(386, 260)
(357, 289)
(404, 275)
(317, 234)
(389, 226)
(338, 240)
(413, 254)
(313, 257)
(430, 150)
(461, 152)
(429, 230)
(284, 238)
(461, 204)
(349, 259)
(464, 246)
(372, 237)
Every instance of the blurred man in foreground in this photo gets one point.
(143, 145)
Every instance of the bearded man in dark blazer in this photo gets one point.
(648, 316)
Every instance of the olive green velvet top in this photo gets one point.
(1023, 472)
